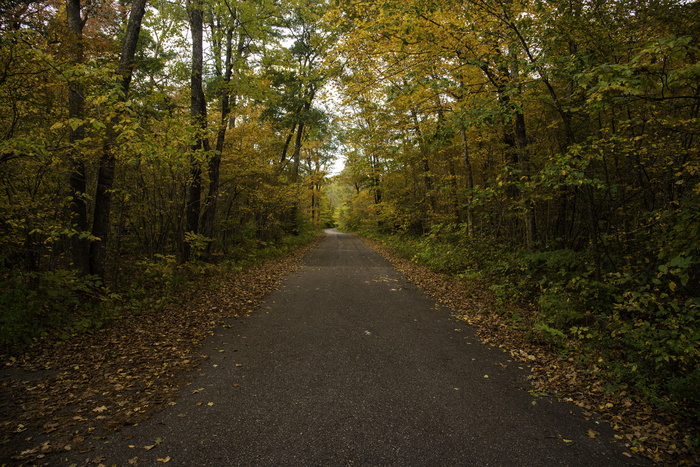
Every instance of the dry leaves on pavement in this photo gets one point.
(57, 395)
(640, 428)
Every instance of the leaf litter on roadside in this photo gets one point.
(58, 395)
(641, 429)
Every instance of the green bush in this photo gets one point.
(642, 318)
(35, 303)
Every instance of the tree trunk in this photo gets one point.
(209, 214)
(521, 144)
(470, 182)
(425, 163)
(515, 139)
(105, 176)
(297, 151)
(198, 112)
(287, 142)
(80, 245)
(376, 180)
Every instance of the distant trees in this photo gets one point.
(541, 122)
(137, 136)
(109, 151)
(554, 145)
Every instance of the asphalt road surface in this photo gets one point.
(349, 364)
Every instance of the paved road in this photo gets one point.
(349, 364)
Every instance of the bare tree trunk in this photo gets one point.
(524, 161)
(425, 163)
(515, 139)
(287, 142)
(105, 175)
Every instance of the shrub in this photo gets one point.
(34, 303)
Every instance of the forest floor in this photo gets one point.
(58, 395)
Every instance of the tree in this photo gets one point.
(76, 107)
(198, 113)
(105, 174)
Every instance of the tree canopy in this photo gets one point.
(549, 148)
(551, 145)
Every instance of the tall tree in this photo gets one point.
(76, 108)
(198, 113)
(105, 174)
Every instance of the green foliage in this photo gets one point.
(547, 335)
(35, 304)
(197, 244)
(647, 332)
(58, 304)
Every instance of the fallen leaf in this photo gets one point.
(100, 409)
(592, 434)
(165, 459)
(210, 404)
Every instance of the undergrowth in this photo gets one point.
(638, 324)
(59, 304)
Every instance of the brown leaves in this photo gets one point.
(124, 372)
(642, 430)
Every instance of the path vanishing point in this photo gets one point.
(350, 364)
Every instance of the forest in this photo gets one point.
(546, 150)
(143, 141)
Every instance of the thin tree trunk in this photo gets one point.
(105, 175)
(76, 104)
(209, 214)
(515, 139)
(297, 151)
(198, 112)
(425, 163)
(287, 142)
(376, 181)
(521, 144)
(470, 182)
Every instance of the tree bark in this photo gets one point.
(209, 214)
(470, 182)
(297, 151)
(80, 245)
(105, 175)
(198, 113)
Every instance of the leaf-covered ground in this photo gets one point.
(57, 396)
(640, 428)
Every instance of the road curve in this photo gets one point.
(349, 364)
